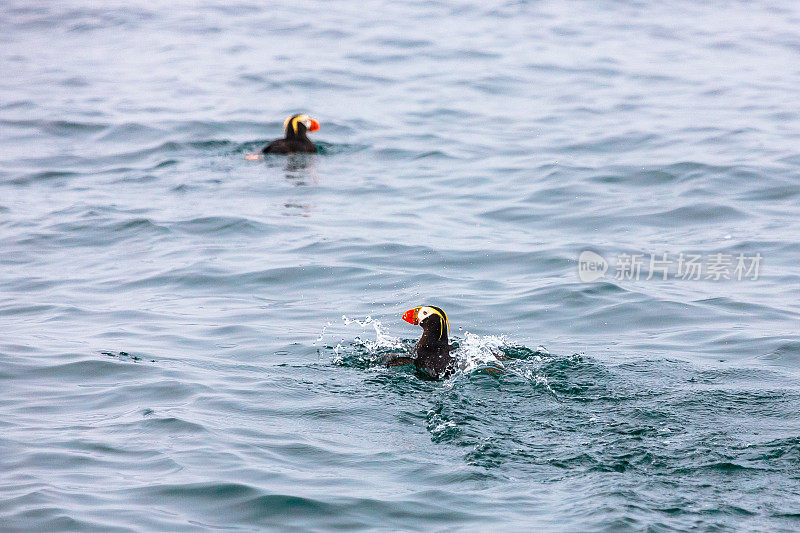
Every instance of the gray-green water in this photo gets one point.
(190, 340)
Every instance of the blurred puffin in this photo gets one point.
(295, 140)
(433, 349)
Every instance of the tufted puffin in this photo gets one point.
(433, 349)
(295, 139)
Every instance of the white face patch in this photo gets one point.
(424, 313)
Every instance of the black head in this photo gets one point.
(432, 319)
(296, 126)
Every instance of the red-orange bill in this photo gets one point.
(411, 317)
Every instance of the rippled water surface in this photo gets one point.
(190, 340)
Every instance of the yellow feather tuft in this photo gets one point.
(443, 317)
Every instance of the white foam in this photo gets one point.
(383, 341)
(479, 351)
(475, 352)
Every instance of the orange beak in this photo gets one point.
(314, 125)
(411, 317)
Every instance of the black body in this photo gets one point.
(432, 350)
(293, 142)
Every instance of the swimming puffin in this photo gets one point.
(432, 351)
(295, 140)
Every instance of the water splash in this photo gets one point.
(360, 351)
(486, 354)
(322, 333)
(496, 354)
(382, 339)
